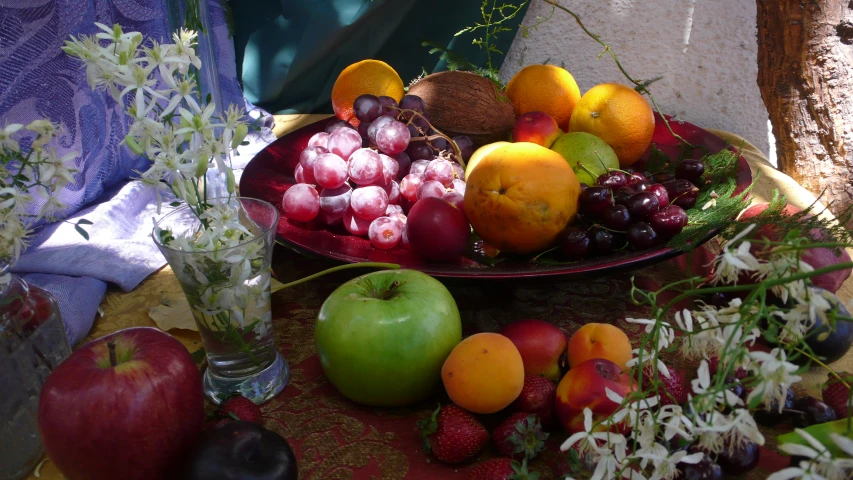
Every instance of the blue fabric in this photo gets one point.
(37, 80)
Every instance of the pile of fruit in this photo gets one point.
(373, 169)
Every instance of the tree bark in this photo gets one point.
(805, 74)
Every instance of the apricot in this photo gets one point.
(541, 344)
(599, 340)
(484, 373)
(520, 196)
(536, 127)
(584, 386)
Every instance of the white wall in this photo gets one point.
(704, 49)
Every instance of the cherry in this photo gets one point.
(739, 460)
(691, 170)
(663, 177)
(669, 221)
(772, 417)
(574, 242)
(584, 186)
(642, 205)
(622, 194)
(595, 200)
(616, 217)
(641, 235)
(687, 200)
(635, 178)
(659, 191)
(813, 411)
(613, 179)
(603, 241)
(681, 192)
(642, 186)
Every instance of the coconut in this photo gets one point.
(464, 103)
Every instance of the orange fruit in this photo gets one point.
(484, 373)
(520, 196)
(367, 76)
(599, 340)
(544, 88)
(618, 115)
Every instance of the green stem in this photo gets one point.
(390, 266)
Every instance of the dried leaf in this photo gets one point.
(173, 313)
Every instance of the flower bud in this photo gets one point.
(239, 135)
(132, 145)
(201, 168)
(231, 182)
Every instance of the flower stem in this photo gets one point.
(390, 266)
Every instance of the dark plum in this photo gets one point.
(740, 459)
(616, 217)
(613, 179)
(669, 221)
(773, 417)
(691, 170)
(705, 469)
(641, 235)
(584, 186)
(643, 205)
(574, 242)
(367, 107)
(830, 342)
(659, 191)
(812, 411)
(595, 200)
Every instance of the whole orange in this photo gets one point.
(618, 115)
(520, 196)
(546, 88)
(484, 373)
(599, 340)
(367, 76)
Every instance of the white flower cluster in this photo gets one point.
(171, 127)
(23, 173)
(631, 443)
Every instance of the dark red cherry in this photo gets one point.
(669, 221)
(659, 191)
(641, 236)
(616, 217)
(613, 179)
(690, 170)
(595, 200)
(574, 242)
(642, 205)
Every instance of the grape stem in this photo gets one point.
(457, 152)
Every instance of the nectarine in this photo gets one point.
(541, 344)
(584, 387)
(536, 127)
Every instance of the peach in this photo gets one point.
(584, 387)
(541, 345)
(536, 127)
(484, 373)
(599, 340)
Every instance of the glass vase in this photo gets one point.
(32, 343)
(228, 291)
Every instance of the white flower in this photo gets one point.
(702, 387)
(774, 376)
(608, 460)
(57, 170)
(805, 471)
(44, 129)
(185, 91)
(14, 236)
(729, 265)
(589, 438)
(665, 463)
(674, 422)
(6, 140)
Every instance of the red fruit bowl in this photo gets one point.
(270, 174)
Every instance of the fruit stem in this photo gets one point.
(111, 346)
(390, 266)
(438, 134)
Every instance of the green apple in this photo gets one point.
(383, 337)
(587, 154)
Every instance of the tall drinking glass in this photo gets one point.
(228, 290)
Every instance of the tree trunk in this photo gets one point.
(805, 74)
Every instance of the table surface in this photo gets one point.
(335, 438)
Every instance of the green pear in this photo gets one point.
(587, 154)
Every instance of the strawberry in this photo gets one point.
(672, 390)
(242, 408)
(713, 365)
(537, 397)
(452, 434)
(502, 469)
(520, 436)
(836, 394)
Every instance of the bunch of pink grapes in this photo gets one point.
(368, 178)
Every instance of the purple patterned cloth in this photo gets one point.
(37, 80)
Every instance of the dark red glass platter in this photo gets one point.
(270, 174)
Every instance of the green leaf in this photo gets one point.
(658, 160)
(83, 233)
(175, 204)
(83, 221)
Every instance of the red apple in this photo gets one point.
(536, 127)
(129, 405)
(584, 387)
(541, 345)
(816, 257)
